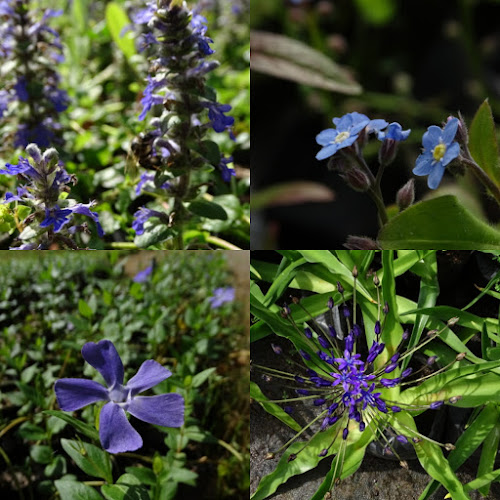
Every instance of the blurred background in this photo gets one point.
(417, 62)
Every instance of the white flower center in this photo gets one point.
(341, 137)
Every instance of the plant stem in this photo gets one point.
(483, 177)
(222, 243)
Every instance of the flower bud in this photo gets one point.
(35, 153)
(406, 195)
(452, 321)
(269, 456)
(357, 179)
(51, 157)
(330, 303)
(355, 272)
(340, 288)
(460, 356)
(361, 243)
(387, 151)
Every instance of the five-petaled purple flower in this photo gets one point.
(439, 150)
(221, 296)
(116, 433)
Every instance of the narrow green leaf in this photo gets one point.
(91, 459)
(272, 408)
(281, 282)
(207, 209)
(117, 20)
(82, 427)
(74, 490)
(441, 222)
(202, 377)
(483, 141)
(284, 57)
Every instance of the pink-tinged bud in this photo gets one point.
(376, 281)
(355, 272)
(462, 133)
(357, 180)
(387, 152)
(269, 456)
(453, 321)
(361, 243)
(460, 356)
(406, 195)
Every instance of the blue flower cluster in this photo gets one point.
(31, 49)
(176, 90)
(45, 192)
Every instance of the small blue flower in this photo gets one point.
(376, 126)
(221, 296)
(395, 132)
(142, 276)
(24, 167)
(348, 128)
(115, 432)
(226, 172)
(216, 115)
(439, 150)
(150, 99)
(56, 217)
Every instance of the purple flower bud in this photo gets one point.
(323, 453)
(308, 333)
(402, 439)
(324, 424)
(277, 349)
(390, 382)
(345, 311)
(323, 342)
(362, 426)
(391, 367)
(406, 334)
(406, 195)
(385, 309)
(288, 409)
(298, 379)
(395, 409)
(349, 343)
(431, 360)
(330, 303)
(319, 401)
(304, 355)
(436, 404)
(340, 288)
(332, 408)
(356, 330)
(395, 358)
(332, 332)
(345, 432)
(356, 179)
(406, 372)
(378, 329)
(332, 420)
(302, 392)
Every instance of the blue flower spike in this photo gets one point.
(115, 432)
(440, 149)
(348, 129)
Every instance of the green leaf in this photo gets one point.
(91, 459)
(143, 474)
(207, 209)
(377, 12)
(127, 487)
(56, 468)
(210, 151)
(32, 432)
(154, 232)
(84, 309)
(41, 454)
(74, 490)
(272, 408)
(438, 223)
(116, 20)
(284, 57)
(483, 141)
(488, 454)
(82, 427)
(201, 377)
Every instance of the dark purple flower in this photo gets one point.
(56, 217)
(116, 433)
(221, 296)
(226, 172)
(141, 217)
(219, 120)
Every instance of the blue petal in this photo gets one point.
(377, 125)
(435, 176)
(348, 142)
(452, 151)
(450, 131)
(165, 409)
(115, 431)
(344, 122)
(431, 137)
(75, 393)
(326, 136)
(423, 166)
(150, 374)
(327, 151)
(104, 357)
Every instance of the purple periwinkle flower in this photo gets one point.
(143, 276)
(439, 150)
(115, 432)
(221, 296)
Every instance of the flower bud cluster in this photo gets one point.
(30, 50)
(43, 203)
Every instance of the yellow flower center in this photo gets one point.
(439, 151)
(342, 137)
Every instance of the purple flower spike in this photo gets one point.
(116, 433)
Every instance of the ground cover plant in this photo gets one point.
(393, 142)
(89, 339)
(140, 108)
(373, 359)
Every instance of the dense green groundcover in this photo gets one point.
(52, 304)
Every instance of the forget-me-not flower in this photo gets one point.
(115, 432)
(348, 128)
(395, 132)
(439, 150)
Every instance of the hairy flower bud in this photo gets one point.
(406, 195)
(356, 179)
